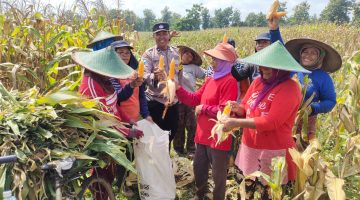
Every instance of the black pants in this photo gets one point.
(122, 172)
(205, 157)
(170, 122)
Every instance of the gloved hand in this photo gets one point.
(135, 133)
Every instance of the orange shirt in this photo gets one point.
(131, 107)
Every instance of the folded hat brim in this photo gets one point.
(105, 62)
(332, 60)
(196, 60)
(216, 54)
(159, 30)
(116, 37)
(277, 57)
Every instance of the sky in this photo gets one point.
(180, 6)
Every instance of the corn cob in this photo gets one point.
(170, 88)
(161, 62)
(225, 39)
(273, 11)
(141, 69)
(218, 127)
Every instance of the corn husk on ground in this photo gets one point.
(183, 170)
(217, 129)
(273, 10)
(42, 128)
(170, 87)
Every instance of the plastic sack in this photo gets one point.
(153, 163)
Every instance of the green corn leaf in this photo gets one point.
(113, 151)
(55, 39)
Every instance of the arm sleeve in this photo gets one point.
(200, 73)
(228, 92)
(189, 98)
(327, 97)
(240, 71)
(275, 35)
(124, 93)
(144, 110)
(285, 104)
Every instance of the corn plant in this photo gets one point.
(274, 181)
(42, 128)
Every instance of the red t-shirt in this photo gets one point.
(90, 88)
(274, 116)
(213, 95)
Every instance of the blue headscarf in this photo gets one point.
(102, 44)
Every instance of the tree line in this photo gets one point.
(196, 18)
(199, 17)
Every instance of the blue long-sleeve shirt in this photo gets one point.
(325, 95)
(275, 35)
(320, 83)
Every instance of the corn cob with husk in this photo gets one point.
(273, 11)
(170, 88)
(218, 127)
(161, 62)
(225, 38)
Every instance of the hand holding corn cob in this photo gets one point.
(273, 13)
(170, 87)
(141, 69)
(160, 73)
(218, 127)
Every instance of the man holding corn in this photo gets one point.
(154, 74)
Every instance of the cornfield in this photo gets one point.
(35, 64)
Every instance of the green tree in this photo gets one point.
(205, 19)
(192, 20)
(301, 13)
(222, 18)
(283, 8)
(175, 18)
(166, 15)
(114, 14)
(314, 19)
(149, 19)
(258, 20)
(356, 14)
(132, 19)
(236, 18)
(251, 19)
(337, 11)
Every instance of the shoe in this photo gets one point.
(191, 155)
(127, 192)
(197, 198)
(179, 151)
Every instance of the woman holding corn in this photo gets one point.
(102, 65)
(210, 99)
(131, 91)
(321, 59)
(267, 114)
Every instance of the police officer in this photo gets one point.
(153, 75)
